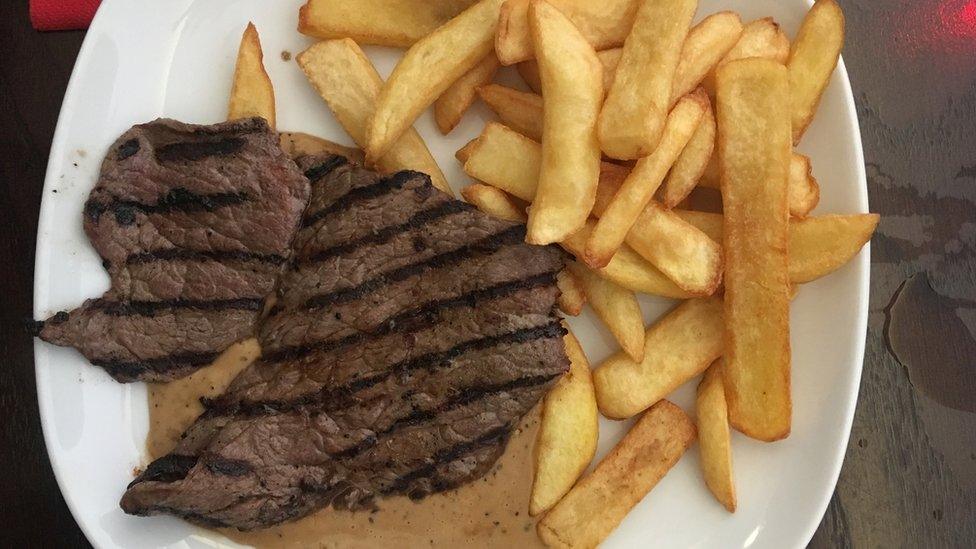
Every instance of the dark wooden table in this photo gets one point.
(909, 479)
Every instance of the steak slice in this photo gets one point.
(411, 334)
(193, 224)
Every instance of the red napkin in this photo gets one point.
(47, 15)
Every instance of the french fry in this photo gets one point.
(350, 85)
(494, 202)
(604, 25)
(518, 110)
(568, 432)
(818, 245)
(297, 144)
(804, 192)
(677, 348)
(464, 152)
(715, 437)
(529, 70)
(644, 180)
(691, 163)
(427, 69)
(813, 56)
(753, 106)
(572, 86)
(397, 23)
(633, 116)
(450, 106)
(252, 93)
(617, 307)
(597, 504)
(571, 296)
(759, 38)
(686, 255)
(706, 45)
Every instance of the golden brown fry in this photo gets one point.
(450, 106)
(760, 38)
(568, 432)
(753, 106)
(297, 144)
(427, 69)
(572, 85)
(597, 504)
(349, 84)
(571, 295)
(677, 348)
(691, 163)
(617, 307)
(813, 56)
(686, 255)
(715, 437)
(633, 116)
(529, 70)
(252, 93)
(804, 192)
(518, 110)
(464, 152)
(603, 24)
(494, 202)
(706, 222)
(706, 45)
(397, 23)
(644, 180)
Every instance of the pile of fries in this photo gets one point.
(633, 110)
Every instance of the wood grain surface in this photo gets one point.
(909, 478)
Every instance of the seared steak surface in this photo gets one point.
(410, 335)
(193, 224)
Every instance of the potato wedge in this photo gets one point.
(633, 116)
(350, 85)
(617, 307)
(706, 45)
(691, 163)
(450, 106)
(753, 106)
(297, 144)
(677, 347)
(427, 69)
(397, 23)
(464, 152)
(518, 110)
(804, 192)
(813, 56)
(529, 70)
(603, 24)
(715, 437)
(644, 180)
(252, 93)
(494, 202)
(759, 38)
(572, 86)
(568, 432)
(682, 252)
(571, 297)
(599, 502)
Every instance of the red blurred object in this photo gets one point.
(48, 15)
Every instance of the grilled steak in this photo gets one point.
(410, 335)
(193, 224)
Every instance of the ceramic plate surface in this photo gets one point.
(175, 58)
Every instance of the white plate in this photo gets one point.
(176, 59)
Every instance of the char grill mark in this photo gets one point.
(124, 370)
(176, 200)
(324, 168)
(167, 469)
(182, 254)
(381, 187)
(197, 150)
(151, 308)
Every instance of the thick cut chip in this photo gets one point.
(644, 180)
(427, 69)
(715, 437)
(603, 24)
(706, 45)
(568, 432)
(494, 202)
(450, 106)
(252, 93)
(571, 296)
(677, 348)
(597, 504)
(804, 192)
(572, 87)
(297, 144)
(759, 38)
(633, 116)
(518, 110)
(617, 307)
(529, 70)
(813, 56)
(691, 163)
(397, 23)
(350, 85)
(753, 106)
(464, 152)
